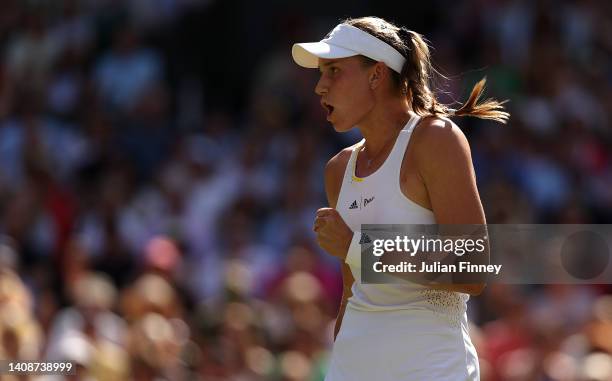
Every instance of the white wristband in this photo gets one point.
(353, 256)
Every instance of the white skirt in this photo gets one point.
(402, 345)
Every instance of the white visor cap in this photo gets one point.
(347, 41)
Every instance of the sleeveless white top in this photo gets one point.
(378, 199)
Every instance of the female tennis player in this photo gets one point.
(413, 167)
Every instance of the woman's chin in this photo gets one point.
(339, 127)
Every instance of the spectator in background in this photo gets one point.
(123, 74)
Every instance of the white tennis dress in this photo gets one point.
(396, 332)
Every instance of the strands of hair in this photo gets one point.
(488, 109)
(417, 74)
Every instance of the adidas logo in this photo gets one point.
(367, 201)
(354, 205)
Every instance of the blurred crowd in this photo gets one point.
(161, 163)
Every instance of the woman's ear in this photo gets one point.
(378, 74)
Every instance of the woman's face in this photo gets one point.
(345, 91)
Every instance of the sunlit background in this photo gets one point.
(161, 162)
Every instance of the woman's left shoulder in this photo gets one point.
(437, 127)
(434, 134)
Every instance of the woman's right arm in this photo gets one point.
(334, 172)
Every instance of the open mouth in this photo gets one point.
(329, 108)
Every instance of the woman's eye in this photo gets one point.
(334, 70)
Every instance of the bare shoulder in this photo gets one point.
(337, 164)
(438, 133)
(334, 172)
(443, 160)
(439, 140)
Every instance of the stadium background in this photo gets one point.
(161, 162)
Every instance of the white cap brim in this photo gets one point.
(307, 54)
(347, 41)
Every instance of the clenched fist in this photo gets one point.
(333, 234)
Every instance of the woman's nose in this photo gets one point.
(321, 87)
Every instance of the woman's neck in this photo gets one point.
(382, 128)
